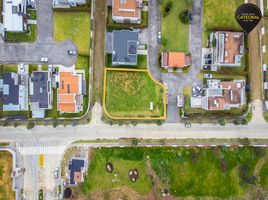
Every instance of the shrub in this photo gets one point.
(245, 141)
(167, 8)
(134, 142)
(184, 16)
(214, 42)
(260, 152)
(15, 125)
(30, 125)
(159, 123)
(55, 124)
(6, 124)
(222, 122)
(134, 123)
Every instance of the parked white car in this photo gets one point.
(44, 59)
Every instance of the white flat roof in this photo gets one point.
(12, 19)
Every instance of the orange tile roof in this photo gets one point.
(68, 88)
(176, 59)
(66, 107)
(126, 8)
(69, 83)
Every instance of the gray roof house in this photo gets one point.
(40, 93)
(125, 44)
(15, 92)
(68, 3)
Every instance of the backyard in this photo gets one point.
(217, 172)
(6, 191)
(175, 34)
(129, 93)
(220, 16)
(73, 26)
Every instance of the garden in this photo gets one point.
(218, 172)
(175, 33)
(129, 95)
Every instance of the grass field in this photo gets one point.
(220, 16)
(6, 191)
(73, 26)
(175, 34)
(213, 173)
(29, 36)
(8, 68)
(128, 94)
(123, 161)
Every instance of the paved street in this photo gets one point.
(45, 46)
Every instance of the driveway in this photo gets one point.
(175, 81)
(45, 46)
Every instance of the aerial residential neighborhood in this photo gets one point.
(133, 99)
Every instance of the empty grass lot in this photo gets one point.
(73, 26)
(123, 161)
(128, 94)
(6, 191)
(220, 15)
(175, 34)
(188, 173)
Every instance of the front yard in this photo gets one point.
(220, 15)
(129, 93)
(187, 173)
(73, 26)
(6, 190)
(175, 34)
(28, 36)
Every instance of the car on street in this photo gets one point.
(56, 173)
(208, 67)
(188, 125)
(44, 59)
(159, 37)
(72, 52)
(207, 75)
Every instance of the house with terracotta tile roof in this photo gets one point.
(221, 95)
(70, 92)
(226, 49)
(175, 60)
(127, 11)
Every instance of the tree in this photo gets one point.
(15, 125)
(167, 8)
(184, 16)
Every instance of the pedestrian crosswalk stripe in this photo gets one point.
(53, 150)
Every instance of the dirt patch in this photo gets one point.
(255, 62)
(6, 191)
(120, 193)
(98, 48)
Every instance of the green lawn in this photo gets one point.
(220, 16)
(123, 160)
(128, 94)
(73, 26)
(175, 34)
(8, 68)
(29, 36)
(141, 63)
(265, 7)
(214, 173)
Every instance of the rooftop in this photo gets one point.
(76, 168)
(125, 47)
(127, 8)
(173, 59)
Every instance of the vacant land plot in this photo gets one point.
(73, 26)
(220, 16)
(213, 173)
(175, 34)
(129, 93)
(6, 191)
(122, 161)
